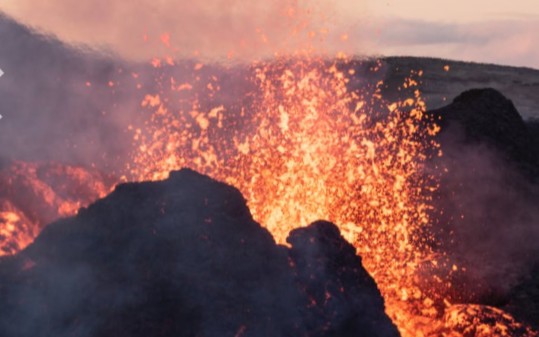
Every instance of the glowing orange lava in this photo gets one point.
(35, 194)
(312, 149)
(16, 231)
(483, 321)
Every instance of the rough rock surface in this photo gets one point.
(183, 257)
(524, 298)
(486, 116)
(330, 273)
(486, 213)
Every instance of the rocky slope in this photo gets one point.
(486, 208)
(183, 257)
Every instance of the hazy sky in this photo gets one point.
(457, 11)
(502, 32)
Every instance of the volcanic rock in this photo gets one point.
(184, 257)
(524, 298)
(444, 79)
(533, 126)
(485, 210)
(330, 272)
(486, 116)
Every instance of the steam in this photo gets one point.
(49, 113)
(72, 104)
(142, 29)
(490, 219)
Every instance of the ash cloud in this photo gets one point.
(49, 113)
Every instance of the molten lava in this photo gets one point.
(483, 321)
(16, 230)
(310, 148)
(35, 194)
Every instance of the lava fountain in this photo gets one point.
(310, 148)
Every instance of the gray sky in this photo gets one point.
(502, 32)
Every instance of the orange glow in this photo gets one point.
(37, 194)
(483, 321)
(165, 39)
(312, 149)
(16, 231)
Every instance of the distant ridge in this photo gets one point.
(440, 87)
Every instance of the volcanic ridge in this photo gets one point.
(184, 257)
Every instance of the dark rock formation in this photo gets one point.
(524, 298)
(330, 273)
(34, 194)
(486, 116)
(183, 257)
(444, 79)
(486, 208)
(533, 126)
